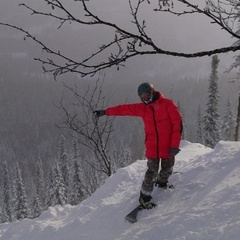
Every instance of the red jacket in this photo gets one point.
(162, 123)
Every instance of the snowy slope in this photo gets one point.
(204, 205)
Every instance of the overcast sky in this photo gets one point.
(185, 34)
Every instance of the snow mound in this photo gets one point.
(203, 206)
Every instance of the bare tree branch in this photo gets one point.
(91, 132)
(127, 44)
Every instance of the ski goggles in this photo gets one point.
(145, 97)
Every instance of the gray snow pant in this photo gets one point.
(152, 173)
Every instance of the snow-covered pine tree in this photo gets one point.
(64, 161)
(211, 120)
(124, 156)
(61, 193)
(7, 215)
(36, 208)
(22, 206)
(228, 122)
(14, 196)
(77, 194)
(40, 186)
(199, 126)
(50, 199)
(57, 188)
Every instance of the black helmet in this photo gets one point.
(145, 88)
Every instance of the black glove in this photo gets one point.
(174, 151)
(99, 113)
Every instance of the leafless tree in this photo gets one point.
(127, 44)
(90, 132)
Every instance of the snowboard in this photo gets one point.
(132, 217)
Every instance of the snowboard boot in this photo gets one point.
(145, 201)
(161, 184)
(164, 185)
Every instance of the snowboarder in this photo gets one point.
(163, 127)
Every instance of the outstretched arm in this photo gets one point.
(135, 110)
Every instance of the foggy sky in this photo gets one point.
(187, 34)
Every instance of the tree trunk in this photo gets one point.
(236, 135)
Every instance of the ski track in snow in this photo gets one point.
(203, 206)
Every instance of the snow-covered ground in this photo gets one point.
(204, 205)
